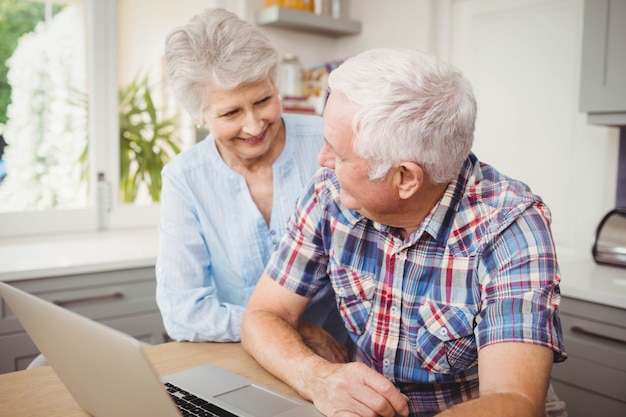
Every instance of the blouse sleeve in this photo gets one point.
(186, 290)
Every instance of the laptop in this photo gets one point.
(108, 374)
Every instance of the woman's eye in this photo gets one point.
(230, 113)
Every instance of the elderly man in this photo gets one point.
(444, 269)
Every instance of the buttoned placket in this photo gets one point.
(399, 256)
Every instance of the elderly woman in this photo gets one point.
(226, 200)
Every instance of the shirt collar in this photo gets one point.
(440, 220)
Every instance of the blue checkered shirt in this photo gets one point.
(481, 269)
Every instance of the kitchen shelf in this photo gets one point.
(286, 18)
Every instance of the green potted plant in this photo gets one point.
(147, 141)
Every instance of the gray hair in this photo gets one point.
(215, 49)
(411, 106)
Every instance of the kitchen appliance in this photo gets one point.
(609, 246)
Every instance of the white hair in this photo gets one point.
(216, 49)
(411, 106)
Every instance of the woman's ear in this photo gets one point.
(198, 120)
(410, 179)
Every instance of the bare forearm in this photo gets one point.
(279, 348)
(269, 332)
(500, 404)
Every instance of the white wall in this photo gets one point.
(384, 23)
(143, 26)
(398, 23)
(523, 57)
(391, 23)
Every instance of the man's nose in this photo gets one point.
(326, 158)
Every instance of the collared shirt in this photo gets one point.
(480, 269)
(214, 243)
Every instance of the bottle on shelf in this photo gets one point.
(304, 5)
(290, 76)
(337, 9)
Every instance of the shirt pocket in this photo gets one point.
(445, 342)
(354, 291)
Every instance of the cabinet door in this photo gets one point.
(124, 300)
(603, 74)
(592, 381)
(16, 352)
(584, 403)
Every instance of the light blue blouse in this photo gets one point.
(213, 241)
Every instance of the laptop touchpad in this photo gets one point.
(257, 401)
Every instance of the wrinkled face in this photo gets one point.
(373, 199)
(245, 121)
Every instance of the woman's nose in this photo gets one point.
(252, 124)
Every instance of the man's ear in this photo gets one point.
(410, 178)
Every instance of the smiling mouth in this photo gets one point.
(255, 139)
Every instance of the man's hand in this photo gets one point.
(322, 343)
(354, 389)
(270, 332)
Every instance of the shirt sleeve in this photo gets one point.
(519, 277)
(300, 262)
(186, 291)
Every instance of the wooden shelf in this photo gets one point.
(286, 18)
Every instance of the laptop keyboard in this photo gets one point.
(191, 405)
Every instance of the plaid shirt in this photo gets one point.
(481, 269)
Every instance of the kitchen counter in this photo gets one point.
(78, 253)
(105, 276)
(39, 257)
(589, 281)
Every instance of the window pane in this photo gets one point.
(45, 119)
(149, 138)
(65, 117)
(150, 120)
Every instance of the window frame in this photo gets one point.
(102, 84)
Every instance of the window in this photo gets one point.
(44, 112)
(77, 115)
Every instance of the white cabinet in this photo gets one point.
(603, 73)
(592, 381)
(122, 299)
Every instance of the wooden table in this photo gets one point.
(39, 393)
